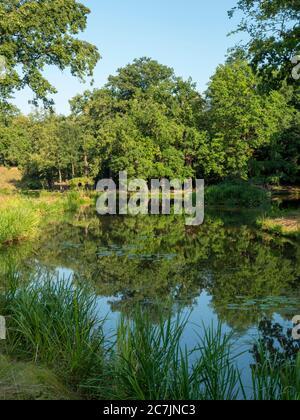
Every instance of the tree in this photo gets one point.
(15, 142)
(146, 121)
(36, 33)
(242, 119)
(274, 32)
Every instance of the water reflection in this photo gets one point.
(160, 263)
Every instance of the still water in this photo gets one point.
(225, 270)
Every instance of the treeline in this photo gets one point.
(148, 121)
(153, 124)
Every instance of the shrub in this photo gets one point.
(237, 193)
(81, 183)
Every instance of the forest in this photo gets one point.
(148, 120)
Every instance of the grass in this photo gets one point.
(56, 341)
(27, 381)
(23, 216)
(150, 363)
(237, 193)
(54, 323)
(283, 223)
(18, 220)
(273, 380)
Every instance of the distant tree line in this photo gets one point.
(153, 124)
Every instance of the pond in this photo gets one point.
(225, 270)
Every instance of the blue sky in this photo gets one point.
(190, 36)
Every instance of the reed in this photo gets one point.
(53, 322)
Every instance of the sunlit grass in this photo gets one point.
(285, 224)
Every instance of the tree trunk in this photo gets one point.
(60, 178)
(86, 165)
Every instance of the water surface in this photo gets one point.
(225, 270)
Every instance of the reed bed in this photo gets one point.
(54, 325)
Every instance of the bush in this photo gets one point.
(81, 183)
(237, 193)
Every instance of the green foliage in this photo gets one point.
(145, 121)
(153, 124)
(274, 32)
(18, 221)
(242, 118)
(39, 33)
(273, 28)
(54, 322)
(237, 193)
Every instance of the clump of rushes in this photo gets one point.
(54, 323)
(150, 363)
(274, 379)
(18, 220)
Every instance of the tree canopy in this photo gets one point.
(34, 34)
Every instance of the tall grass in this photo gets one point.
(74, 201)
(18, 221)
(274, 379)
(151, 364)
(54, 323)
(22, 217)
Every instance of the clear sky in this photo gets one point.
(188, 35)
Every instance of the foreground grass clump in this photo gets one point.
(150, 363)
(54, 323)
(237, 193)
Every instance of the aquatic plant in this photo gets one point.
(54, 322)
